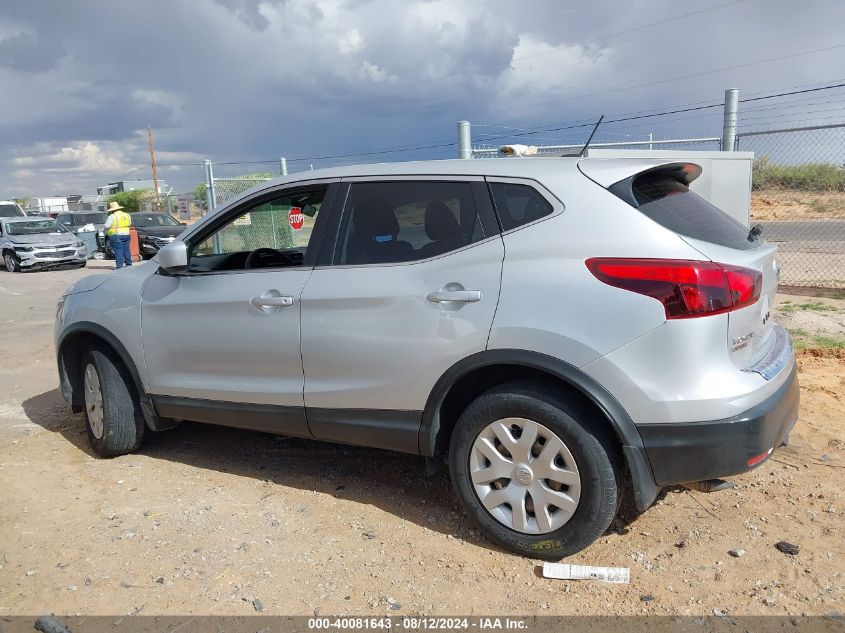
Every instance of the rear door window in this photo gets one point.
(403, 221)
(671, 204)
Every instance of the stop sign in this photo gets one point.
(296, 218)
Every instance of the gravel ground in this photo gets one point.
(204, 520)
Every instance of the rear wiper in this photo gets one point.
(755, 232)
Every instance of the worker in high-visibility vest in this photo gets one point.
(117, 229)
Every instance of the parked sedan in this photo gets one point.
(155, 230)
(32, 243)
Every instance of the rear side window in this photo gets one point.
(671, 204)
(518, 204)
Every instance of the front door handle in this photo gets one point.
(454, 296)
(271, 301)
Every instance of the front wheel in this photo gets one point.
(113, 416)
(11, 261)
(537, 473)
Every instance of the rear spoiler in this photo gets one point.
(683, 173)
(608, 171)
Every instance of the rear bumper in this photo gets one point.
(696, 451)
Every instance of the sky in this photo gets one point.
(244, 81)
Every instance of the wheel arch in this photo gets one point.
(71, 347)
(473, 375)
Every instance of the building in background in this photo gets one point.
(130, 185)
(47, 205)
(89, 203)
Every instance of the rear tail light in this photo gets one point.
(686, 288)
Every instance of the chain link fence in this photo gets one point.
(227, 188)
(798, 193)
(707, 144)
(187, 207)
(798, 197)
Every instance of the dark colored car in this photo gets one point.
(155, 230)
(73, 221)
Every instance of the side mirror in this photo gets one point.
(174, 257)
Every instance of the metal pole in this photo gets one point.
(210, 196)
(464, 140)
(729, 125)
(650, 138)
(283, 166)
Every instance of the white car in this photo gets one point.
(28, 243)
(10, 209)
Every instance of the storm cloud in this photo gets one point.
(251, 80)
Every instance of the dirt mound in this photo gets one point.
(821, 352)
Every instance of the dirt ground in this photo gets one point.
(204, 520)
(792, 204)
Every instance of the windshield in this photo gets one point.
(35, 227)
(81, 219)
(153, 219)
(10, 211)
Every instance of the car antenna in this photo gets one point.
(589, 140)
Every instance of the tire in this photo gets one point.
(82, 265)
(588, 461)
(114, 420)
(11, 261)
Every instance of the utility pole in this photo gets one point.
(154, 166)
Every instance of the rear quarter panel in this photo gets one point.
(551, 303)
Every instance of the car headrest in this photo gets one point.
(440, 222)
(375, 222)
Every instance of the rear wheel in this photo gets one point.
(12, 262)
(113, 416)
(537, 473)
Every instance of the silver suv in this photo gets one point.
(555, 326)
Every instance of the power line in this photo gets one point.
(672, 79)
(797, 92)
(526, 132)
(623, 118)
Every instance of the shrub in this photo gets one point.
(806, 177)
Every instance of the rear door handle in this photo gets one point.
(455, 296)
